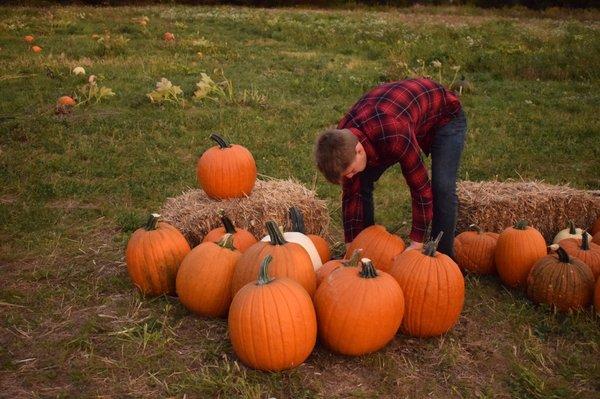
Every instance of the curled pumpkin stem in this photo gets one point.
(220, 140)
(263, 273)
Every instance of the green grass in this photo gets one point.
(74, 187)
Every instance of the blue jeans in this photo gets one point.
(446, 150)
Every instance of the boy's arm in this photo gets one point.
(352, 208)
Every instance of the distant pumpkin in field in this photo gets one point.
(29, 38)
(64, 105)
(168, 37)
(36, 49)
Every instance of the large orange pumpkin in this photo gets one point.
(358, 310)
(153, 255)
(272, 322)
(561, 281)
(289, 260)
(204, 278)
(595, 228)
(321, 245)
(377, 244)
(242, 239)
(330, 266)
(518, 248)
(226, 170)
(434, 290)
(474, 250)
(587, 252)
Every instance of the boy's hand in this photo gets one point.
(414, 245)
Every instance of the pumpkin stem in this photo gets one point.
(431, 246)
(354, 259)
(572, 230)
(227, 224)
(227, 242)
(585, 243)
(521, 225)
(221, 141)
(297, 220)
(563, 256)
(152, 222)
(367, 270)
(275, 234)
(476, 228)
(263, 273)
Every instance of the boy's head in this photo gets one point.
(339, 154)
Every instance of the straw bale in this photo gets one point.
(195, 214)
(495, 205)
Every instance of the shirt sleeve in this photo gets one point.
(352, 208)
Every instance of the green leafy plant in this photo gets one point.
(224, 92)
(92, 92)
(166, 92)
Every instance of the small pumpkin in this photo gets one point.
(474, 250)
(359, 311)
(378, 245)
(203, 281)
(517, 250)
(434, 290)
(289, 260)
(36, 49)
(168, 37)
(153, 255)
(272, 322)
(29, 38)
(226, 170)
(587, 252)
(569, 232)
(595, 228)
(330, 266)
(65, 101)
(561, 281)
(242, 239)
(320, 244)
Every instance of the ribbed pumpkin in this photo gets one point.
(518, 248)
(358, 310)
(297, 221)
(585, 251)
(204, 278)
(378, 245)
(226, 170)
(569, 232)
(474, 250)
(153, 255)
(272, 322)
(561, 281)
(434, 290)
(330, 266)
(595, 228)
(597, 297)
(242, 239)
(289, 260)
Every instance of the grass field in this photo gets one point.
(74, 187)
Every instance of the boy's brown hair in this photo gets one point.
(335, 150)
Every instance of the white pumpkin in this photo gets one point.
(570, 232)
(306, 243)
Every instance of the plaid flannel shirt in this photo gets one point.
(395, 122)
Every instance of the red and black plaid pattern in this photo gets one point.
(394, 122)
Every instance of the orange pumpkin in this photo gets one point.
(517, 250)
(359, 311)
(587, 252)
(242, 239)
(298, 226)
(36, 49)
(597, 297)
(226, 170)
(561, 281)
(168, 37)
(204, 278)
(330, 266)
(153, 255)
(596, 239)
(289, 260)
(65, 101)
(434, 290)
(474, 251)
(378, 245)
(28, 38)
(272, 322)
(595, 229)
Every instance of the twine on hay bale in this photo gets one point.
(494, 205)
(195, 214)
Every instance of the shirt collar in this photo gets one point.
(372, 157)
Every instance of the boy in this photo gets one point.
(391, 124)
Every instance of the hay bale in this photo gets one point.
(495, 205)
(195, 214)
